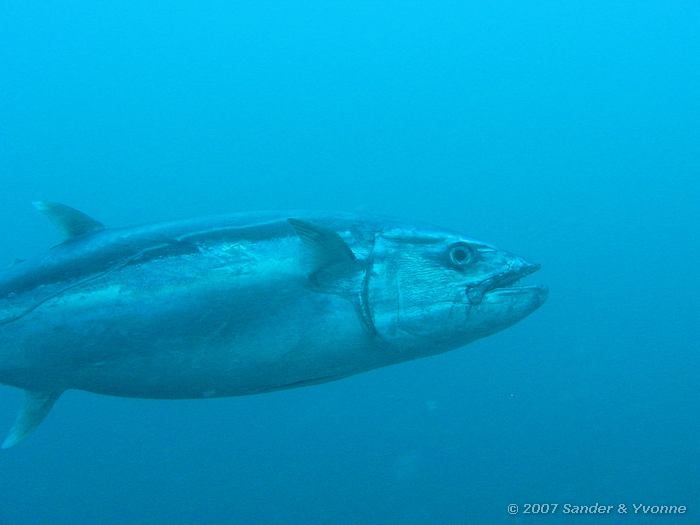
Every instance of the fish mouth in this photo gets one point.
(505, 284)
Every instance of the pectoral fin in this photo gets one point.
(36, 407)
(325, 246)
(334, 269)
(332, 265)
(70, 221)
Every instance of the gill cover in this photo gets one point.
(411, 292)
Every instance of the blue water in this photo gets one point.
(563, 131)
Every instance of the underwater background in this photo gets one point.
(567, 132)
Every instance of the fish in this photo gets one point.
(243, 304)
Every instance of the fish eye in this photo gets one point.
(460, 254)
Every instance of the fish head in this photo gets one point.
(430, 291)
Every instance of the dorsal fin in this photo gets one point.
(325, 246)
(36, 407)
(70, 221)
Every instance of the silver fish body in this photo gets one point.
(243, 304)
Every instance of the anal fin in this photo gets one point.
(36, 407)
